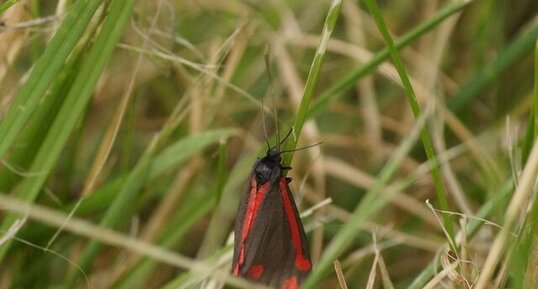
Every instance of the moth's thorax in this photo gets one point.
(268, 168)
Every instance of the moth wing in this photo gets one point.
(301, 264)
(255, 239)
(270, 252)
(239, 221)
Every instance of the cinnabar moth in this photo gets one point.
(270, 243)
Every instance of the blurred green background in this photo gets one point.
(139, 121)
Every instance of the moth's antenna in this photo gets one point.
(267, 59)
(287, 135)
(264, 128)
(303, 148)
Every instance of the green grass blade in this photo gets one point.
(73, 107)
(190, 279)
(534, 119)
(351, 79)
(525, 272)
(412, 99)
(528, 142)
(188, 215)
(371, 203)
(175, 154)
(219, 226)
(525, 190)
(532, 128)
(45, 71)
(226, 210)
(32, 136)
(178, 152)
(313, 75)
(510, 54)
(7, 5)
(523, 269)
(146, 169)
(121, 207)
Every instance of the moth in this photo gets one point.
(270, 242)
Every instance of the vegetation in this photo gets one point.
(128, 129)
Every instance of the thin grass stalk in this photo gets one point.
(523, 269)
(313, 75)
(371, 203)
(515, 50)
(499, 197)
(523, 193)
(45, 71)
(412, 99)
(535, 117)
(86, 229)
(66, 119)
(348, 81)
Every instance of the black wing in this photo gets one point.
(275, 249)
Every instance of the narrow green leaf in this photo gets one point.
(175, 154)
(7, 5)
(313, 75)
(189, 214)
(514, 51)
(370, 204)
(73, 107)
(413, 103)
(45, 71)
(121, 207)
(350, 80)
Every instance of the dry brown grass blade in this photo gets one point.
(340, 274)
(11, 43)
(372, 275)
(373, 270)
(411, 240)
(436, 280)
(344, 171)
(12, 231)
(519, 200)
(385, 277)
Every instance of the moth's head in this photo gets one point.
(273, 154)
(267, 169)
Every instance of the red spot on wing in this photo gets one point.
(255, 272)
(255, 200)
(301, 262)
(240, 260)
(235, 271)
(291, 283)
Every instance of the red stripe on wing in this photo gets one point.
(301, 262)
(255, 200)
